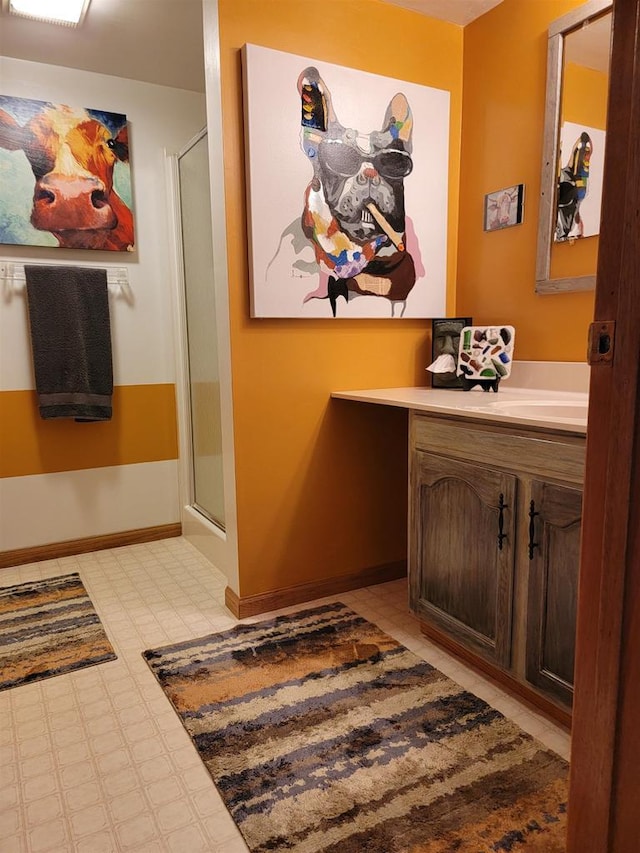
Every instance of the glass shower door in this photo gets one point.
(202, 343)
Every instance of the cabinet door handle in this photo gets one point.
(501, 508)
(532, 528)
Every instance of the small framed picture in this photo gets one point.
(504, 208)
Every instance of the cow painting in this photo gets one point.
(64, 177)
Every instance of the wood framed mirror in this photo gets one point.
(578, 55)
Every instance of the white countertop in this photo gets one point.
(532, 407)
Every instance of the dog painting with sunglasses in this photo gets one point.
(354, 213)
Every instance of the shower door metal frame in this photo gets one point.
(219, 545)
(186, 404)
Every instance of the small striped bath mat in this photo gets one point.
(48, 627)
(325, 735)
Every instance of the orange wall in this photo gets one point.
(584, 96)
(321, 484)
(503, 116)
(143, 429)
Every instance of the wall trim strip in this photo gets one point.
(92, 543)
(251, 605)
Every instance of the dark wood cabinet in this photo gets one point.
(463, 526)
(494, 545)
(555, 513)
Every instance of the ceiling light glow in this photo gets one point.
(68, 12)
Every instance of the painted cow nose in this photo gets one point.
(52, 189)
(71, 202)
(370, 172)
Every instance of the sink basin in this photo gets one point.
(541, 409)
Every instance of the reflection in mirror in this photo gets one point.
(583, 118)
(573, 148)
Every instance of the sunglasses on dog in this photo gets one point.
(345, 160)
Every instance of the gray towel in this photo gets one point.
(70, 341)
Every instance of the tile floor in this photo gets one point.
(96, 761)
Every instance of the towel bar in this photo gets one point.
(13, 279)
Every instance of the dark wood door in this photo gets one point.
(604, 797)
(555, 514)
(462, 551)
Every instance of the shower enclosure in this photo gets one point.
(201, 333)
(204, 366)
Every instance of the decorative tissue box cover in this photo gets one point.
(485, 352)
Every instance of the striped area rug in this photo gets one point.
(48, 627)
(322, 733)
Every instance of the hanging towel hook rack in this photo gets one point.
(13, 279)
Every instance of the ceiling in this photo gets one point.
(590, 45)
(460, 12)
(158, 41)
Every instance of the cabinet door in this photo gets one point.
(554, 552)
(461, 553)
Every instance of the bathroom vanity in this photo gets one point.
(495, 499)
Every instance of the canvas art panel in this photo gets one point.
(504, 208)
(347, 181)
(65, 179)
(580, 176)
